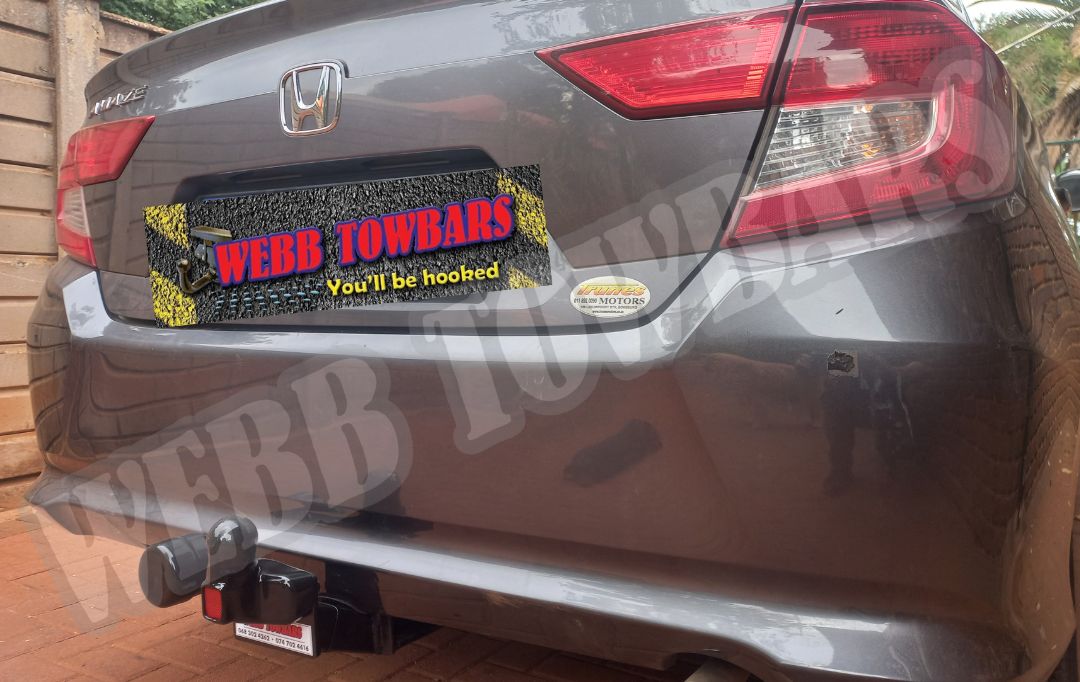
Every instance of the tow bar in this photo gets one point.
(269, 601)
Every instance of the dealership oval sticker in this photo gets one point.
(610, 296)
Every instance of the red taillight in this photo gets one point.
(96, 154)
(850, 52)
(889, 108)
(702, 66)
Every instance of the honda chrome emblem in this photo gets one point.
(317, 98)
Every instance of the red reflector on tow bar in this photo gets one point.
(212, 603)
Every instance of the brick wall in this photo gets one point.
(41, 104)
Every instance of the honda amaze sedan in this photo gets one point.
(742, 331)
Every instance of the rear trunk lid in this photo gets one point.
(431, 87)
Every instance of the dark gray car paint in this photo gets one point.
(654, 490)
(617, 191)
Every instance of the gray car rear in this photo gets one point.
(642, 489)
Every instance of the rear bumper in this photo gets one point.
(601, 614)
(729, 479)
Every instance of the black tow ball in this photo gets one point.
(240, 588)
(173, 571)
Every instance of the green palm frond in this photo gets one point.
(1044, 65)
(1022, 20)
(1049, 4)
(1063, 121)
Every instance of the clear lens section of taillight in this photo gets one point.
(72, 230)
(815, 140)
(719, 64)
(890, 108)
(95, 154)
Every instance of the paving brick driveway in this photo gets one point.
(50, 580)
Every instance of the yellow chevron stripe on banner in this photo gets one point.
(170, 221)
(519, 280)
(528, 210)
(173, 307)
